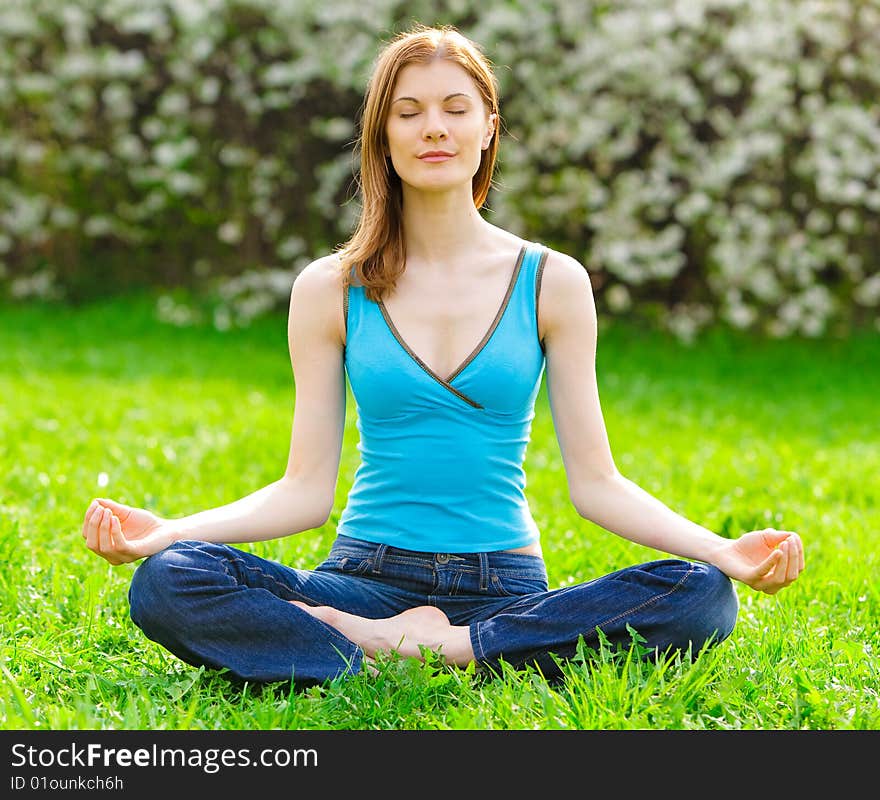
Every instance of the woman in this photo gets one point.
(444, 324)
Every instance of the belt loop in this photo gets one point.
(484, 571)
(377, 559)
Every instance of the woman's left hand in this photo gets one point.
(767, 560)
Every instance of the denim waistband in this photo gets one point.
(498, 561)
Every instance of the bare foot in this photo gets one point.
(406, 633)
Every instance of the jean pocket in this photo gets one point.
(505, 584)
(348, 565)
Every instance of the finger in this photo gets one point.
(120, 509)
(794, 561)
(796, 556)
(777, 576)
(104, 532)
(115, 554)
(117, 536)
(114, 530)
(780, 571)
(111, 539)
(800, 549)
(773, 537)
(770, 582)
(85, 525)
(92, 528)
(768, 566)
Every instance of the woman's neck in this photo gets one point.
(441, 228)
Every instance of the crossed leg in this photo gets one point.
(405, 633)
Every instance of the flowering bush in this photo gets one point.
(706, 160)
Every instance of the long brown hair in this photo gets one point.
(376, 249)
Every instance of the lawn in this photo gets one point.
(733, 431)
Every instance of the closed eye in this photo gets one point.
(406, 116)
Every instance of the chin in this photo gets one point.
(442, 180)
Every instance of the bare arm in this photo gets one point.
(597, 489)
(302, 498)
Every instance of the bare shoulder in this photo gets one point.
(317, 293)
(320, 277)
(564, 273)
(566, 294)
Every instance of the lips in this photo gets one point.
(436, 154)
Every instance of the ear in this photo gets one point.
(491, 132)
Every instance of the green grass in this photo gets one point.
(732, 432)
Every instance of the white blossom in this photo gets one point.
(654, 136)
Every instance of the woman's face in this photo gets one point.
(437, 107)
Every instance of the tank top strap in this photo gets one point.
(533, 266)
(533, 263)
(351, 302)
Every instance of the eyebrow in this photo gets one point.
(448, 97)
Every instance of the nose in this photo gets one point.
(434, 128)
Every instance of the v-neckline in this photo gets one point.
(482, 343)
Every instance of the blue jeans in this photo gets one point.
(218, 606)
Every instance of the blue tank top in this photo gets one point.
(442, 459)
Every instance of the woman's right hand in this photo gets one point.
(121, 533)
